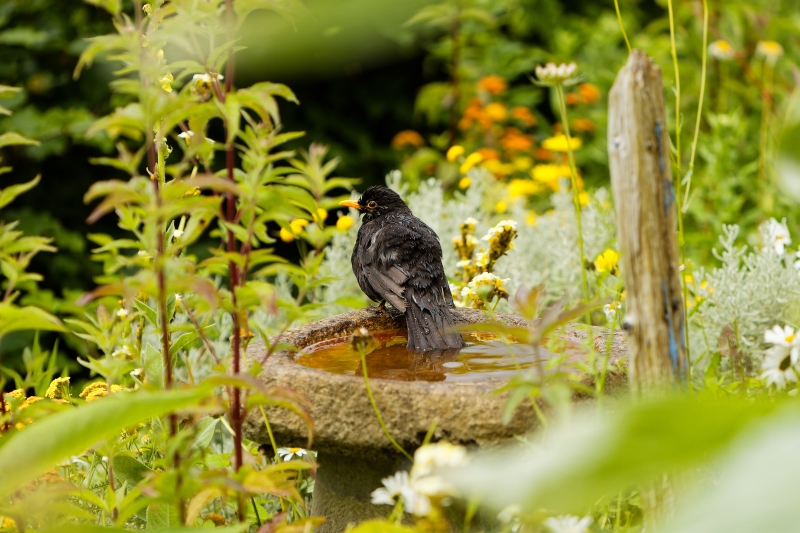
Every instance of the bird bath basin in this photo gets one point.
(454, 389)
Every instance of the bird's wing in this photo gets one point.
(388, 257)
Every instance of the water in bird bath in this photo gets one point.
(485, 358)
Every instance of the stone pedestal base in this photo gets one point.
(343, 487)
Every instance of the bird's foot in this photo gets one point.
(379, 308)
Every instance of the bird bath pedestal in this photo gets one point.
(353, 453)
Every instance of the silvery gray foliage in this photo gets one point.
(751, 291)
(547, 252)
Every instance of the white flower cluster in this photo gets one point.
(552, 74)
(780, 362)
(417, 489)
(776, 236)
(568, 524)
(499, 229)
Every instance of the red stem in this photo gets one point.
(233, 271)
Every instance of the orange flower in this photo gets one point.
(583, 124)
(475, 113)
(573, 99)
(514, 140)
(524, 115)
(489, 154)
(543, 154)
(407, 138)
(590, 94)
(492, 84)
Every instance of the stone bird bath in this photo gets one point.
(353, 452)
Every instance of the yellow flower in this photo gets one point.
(166, 82)
(501, 206)
(492, 84)
(471, 160)
(497, 168)
(321, 216)
(464, 183)
(519, 187)
(607, 261)
(497, 111)
(530, 218)
(298, 224)
(7, 523)
(550, 174)
(344, 223)
(455, 152)
(559, 143)
(769, 50)
(286, 235)
(522, 163)
(56, 388)
(583, 198)
(688, 278)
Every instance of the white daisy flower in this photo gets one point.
(288, 453)
(438, 455)
(781, 336)
(777, 236)
(778, 366)
(568, 524)
(393, 487)
(611, 310)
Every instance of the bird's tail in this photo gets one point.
(429, 322)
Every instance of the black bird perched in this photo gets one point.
(398, 259)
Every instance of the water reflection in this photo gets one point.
(485, 358)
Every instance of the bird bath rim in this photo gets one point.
(465, 412)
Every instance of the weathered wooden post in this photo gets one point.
(644, 197)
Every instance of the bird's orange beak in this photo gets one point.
(351, 203)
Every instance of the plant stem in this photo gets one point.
(233, 273)
(679, 172)
(269, 432)
(766, 111)
(455, 58)
(375, 406)
(622, 26)
(573, 175)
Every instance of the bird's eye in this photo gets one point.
(372, 204)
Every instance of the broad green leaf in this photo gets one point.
(162, 516)
(128, 468)
(14, 318)
(592, 457)
(8, 194)
(755, 487)
(31, 452)
(153, 366)
(184, 340)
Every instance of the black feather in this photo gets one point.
(398, 259)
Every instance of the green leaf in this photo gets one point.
(205, 432)
(14, 318)
(148, 312)
(381, 526)
(15, 139)
(754, 487)
(112, 6)
(8, 194)
(128, 468)
(182, 341)
(31, 452)
(153, 366)
(162, 515)
(591, 457)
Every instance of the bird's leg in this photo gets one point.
(380, 308)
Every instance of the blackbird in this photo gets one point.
(398, 259)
